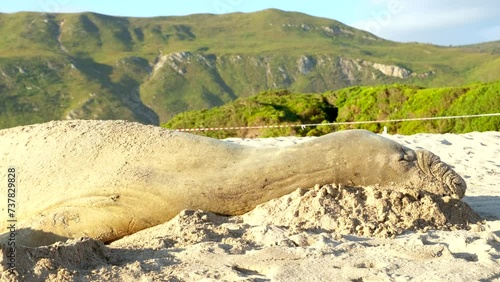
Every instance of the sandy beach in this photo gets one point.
(294, 238)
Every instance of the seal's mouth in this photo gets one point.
(448, 181)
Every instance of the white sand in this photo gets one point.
(200, 246)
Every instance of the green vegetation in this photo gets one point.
(92, 66)
(352, 104)
(400, 101)
(267, 108)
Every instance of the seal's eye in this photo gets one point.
(401, 156)
(407, 154)
(410, 155)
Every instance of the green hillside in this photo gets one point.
(359, 103)
(92, 66)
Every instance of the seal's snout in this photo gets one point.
(447, 180)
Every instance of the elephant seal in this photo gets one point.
(108, 179)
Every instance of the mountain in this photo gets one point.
(93, 66)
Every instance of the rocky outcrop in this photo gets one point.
(330, 31)
(425, 74)
(336, 30)
(348, 66)
(391, 70)
(173, 61)
(306, 64)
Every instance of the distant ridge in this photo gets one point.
(94, 66)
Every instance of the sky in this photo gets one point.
(441, 22)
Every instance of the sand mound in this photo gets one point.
(363, 211)
(60, 261)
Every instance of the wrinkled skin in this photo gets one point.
(99, 179)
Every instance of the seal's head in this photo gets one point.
(363, 158)
(420, 170)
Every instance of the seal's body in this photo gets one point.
(108, 179)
